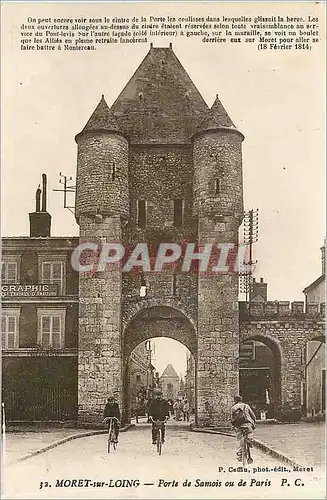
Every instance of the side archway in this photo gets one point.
(260, 375)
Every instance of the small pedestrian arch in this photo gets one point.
(260, 374)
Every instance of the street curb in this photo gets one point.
(275, 453)
(62, 441)
(259, 444)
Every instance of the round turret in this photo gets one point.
(102, 167)
(217, 157)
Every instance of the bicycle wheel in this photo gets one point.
(244, 450)
(159, 441)
(108, 444)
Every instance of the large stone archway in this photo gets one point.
(151, 322)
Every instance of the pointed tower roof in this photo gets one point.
(170, 372)
(160, 104)
(216, 118)
(102, 118)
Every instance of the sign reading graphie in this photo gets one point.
(19, 290)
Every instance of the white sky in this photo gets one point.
(169, 351)
(275, 98)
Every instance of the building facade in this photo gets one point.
(39, 323)
(158, 166)
(170, 383)
(314, 384)
(141, 378)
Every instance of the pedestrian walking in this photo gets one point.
(186, 411)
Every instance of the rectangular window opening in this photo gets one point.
(113, 175)
(51, 330)
(53, 273)
(174, 284)
(10, 329)
(218, 187)
(9, 272)
(141, 213)
(178, 213)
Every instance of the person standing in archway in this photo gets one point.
(186, 411)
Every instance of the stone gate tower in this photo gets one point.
(159, 166)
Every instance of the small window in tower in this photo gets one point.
(141, 213)
(178, 213)
(143, 287)
(174, 284)
(218, 187)
(113, 173)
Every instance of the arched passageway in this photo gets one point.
(260, 376)
(150, 323)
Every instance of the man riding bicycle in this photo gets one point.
(158, 410)
(112, 410)
(243, 420)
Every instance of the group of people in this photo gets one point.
(243, 418)
(180, 409)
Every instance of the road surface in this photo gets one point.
(193, 465)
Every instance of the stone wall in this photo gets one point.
(286, 330)
(100, 352)
(102, 174)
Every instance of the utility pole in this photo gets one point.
(67, 188)
(148, 348)
(250, 236)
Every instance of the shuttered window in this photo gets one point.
(9, 272)
(10, 329)
(51, 329)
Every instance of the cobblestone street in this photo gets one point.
(194, 457)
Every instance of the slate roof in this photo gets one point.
(314, 284)
(102, 118)
(160, 103)
(217, 117)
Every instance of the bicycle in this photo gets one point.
(111, 433)
(245, 448)
(158, 425)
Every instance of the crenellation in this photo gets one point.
(313, 309)
(281, 309)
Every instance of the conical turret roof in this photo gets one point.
(102, 118)
(216, 118)
(160, 104)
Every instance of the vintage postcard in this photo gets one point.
(163, 250)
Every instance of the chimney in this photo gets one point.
(44, 192)
(40, 220)
(259, 292)
(38, 199)
(323, 257)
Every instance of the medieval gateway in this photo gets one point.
(158, 166)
